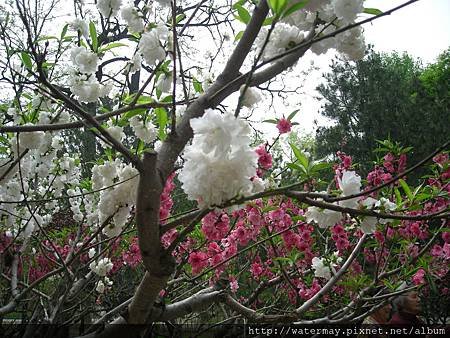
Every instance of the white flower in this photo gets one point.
(218, 133)
(369, 202)
(219, 162)
(283, 37)
(258, 185)
(350, 183)
(320, 269)
(80, 25)
(109, 7)
(31, 140)
(324, 45)
(164, 83)
(347, 10)
(116, 132)
(385, 204)
(324, 218)
(133, 18)
(147, 132)
(87, 89)
(250, 98)
(100, 288)
(102, 267)
(150, 45)
(85, 60)
(369, 224)
(91, 252)
(135, 64)
(351, 43)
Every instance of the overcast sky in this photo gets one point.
(422, 29)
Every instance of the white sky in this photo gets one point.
(422, 29)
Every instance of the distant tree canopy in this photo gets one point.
(367, 99)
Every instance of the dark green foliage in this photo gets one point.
(385, 96)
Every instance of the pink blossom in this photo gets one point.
(418, 278)
(446, 250)
(264, 158)
(215, 225)
(256, 270)
(132, 257)
(168, 237)
(402, 163)
(284, 125)
(446, 236)
(198, 261)
(441, 159)
(389, 157)
(233, 284)
(437, 251)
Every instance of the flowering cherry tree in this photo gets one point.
(104, 116)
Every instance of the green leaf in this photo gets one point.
(64, 31)
(268, 21)
(112, 45)
(373, 11)
(295, 8)
(271, 121)
(321, 166)
(277, 6)
(406, 189)
(161, 116)
(26, 60)
(197, 85)
(93, 34)
(239, 3)
(238, 36)
(243, 14)
(291, 115)
(398, 196)
(297, 167)
(180, 17)
(300, 156)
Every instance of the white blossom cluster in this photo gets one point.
(146, 132)
(323, 217)
(118, 199)
(81, 26)
(219, 162)
(102, 267)
(109, 8)
(369, 223)
(43, 174)
(333, 14)
(151, 44)
(283, 37)
(250, 98)
(102, 284)
(350, 184)
(322, 268)
(133, 18)
(82, 81)
(84, 60)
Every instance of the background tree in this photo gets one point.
(365, 100)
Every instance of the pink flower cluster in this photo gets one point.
(264, 160)
(132, 257)
(215, 225)
(340, 237)
(166, 202)
(284, 125)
